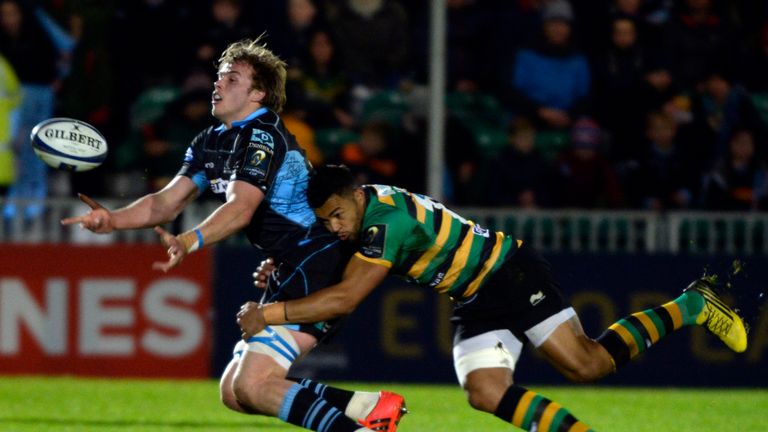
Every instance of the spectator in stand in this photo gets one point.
(86, 92)
(618, 76)
(718, 108)
(294, 116)
(472, 55)
(228, 24)
(755, 71)
(324, 84)
(373, 39)
(698, 39)
(739, 181)
(650, 16)
(659, 91)
(372, 158)
(521, 177)
(304, 18)
(550, 83)
(166, 139)
(33, 56)
(664, 178)
(584, 176)
(154, 27)
(10, 98)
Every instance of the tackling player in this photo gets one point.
(255, 166)
(503, 291)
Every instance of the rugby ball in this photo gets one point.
(68, 144)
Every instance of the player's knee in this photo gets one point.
(229, 400)
(584, 372)
(246, 392)
(481, 401)
(227, 396)
(483, 397)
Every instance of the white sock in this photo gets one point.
(361, 405)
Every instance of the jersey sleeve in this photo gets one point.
(383, 235)
(193, 165)
(264, 154)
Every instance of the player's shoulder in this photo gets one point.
(203, 134)
(381, 208)
(198, 142)
(269, 129)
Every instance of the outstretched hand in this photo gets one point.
(98, 219)
(250, 319)
(176, 251)
(262, 273)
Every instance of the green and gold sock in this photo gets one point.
(630, 336)
(531, 411)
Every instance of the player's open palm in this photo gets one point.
(98, 219)
(176, 250)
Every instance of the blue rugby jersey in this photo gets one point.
(261, 151)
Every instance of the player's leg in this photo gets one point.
(355, 404)
(490, 329)
(582, 359)
(485, 365)
(259, 383)
(569, 350)
(318, 262)
(377, 410)
(699, 304)
(226, 392)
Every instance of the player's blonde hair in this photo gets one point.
(269, 73)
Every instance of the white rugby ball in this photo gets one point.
(69, 144)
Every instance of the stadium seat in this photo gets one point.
(151, 103)
(551, 143)
(476, 107)
(490, 141)
(483, 115)
(760, 100)
(387, 106)
(331, 140)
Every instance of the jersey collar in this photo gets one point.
(241, 123)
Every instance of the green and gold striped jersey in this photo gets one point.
(419, 239)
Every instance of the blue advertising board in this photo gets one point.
(401, 332)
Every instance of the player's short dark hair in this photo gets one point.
(328, 180)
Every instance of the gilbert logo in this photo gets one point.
(537, 298)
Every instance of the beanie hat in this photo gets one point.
(586, 133)
(557, 10)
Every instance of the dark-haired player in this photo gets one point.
(503, 291)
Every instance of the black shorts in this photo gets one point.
(519, 295)
(315, 263)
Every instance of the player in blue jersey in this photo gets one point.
(504, 295)
(257, 169)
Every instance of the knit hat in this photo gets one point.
(586, 133)
(557, 10)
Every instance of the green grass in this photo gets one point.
(70, 404)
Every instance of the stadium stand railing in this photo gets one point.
(567, 230)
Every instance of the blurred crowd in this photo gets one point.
(641, 104)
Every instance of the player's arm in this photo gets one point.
(235, 214)
(150, 210)
(243, 199)
(359, 280)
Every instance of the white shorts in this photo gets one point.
(274, 341)
(500, 348)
